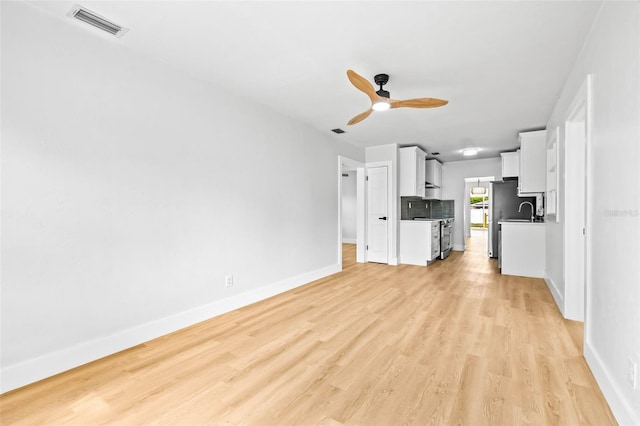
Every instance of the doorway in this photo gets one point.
(351, 208)
(476, 209)
(576, 274)
(479, 204)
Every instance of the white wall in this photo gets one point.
(454, 174)
(349, 207)
(612, 320)
(129, 191)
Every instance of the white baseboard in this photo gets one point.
(458, 247)
(622, 408)
(26, 372)
(557, 296)
(348, 240)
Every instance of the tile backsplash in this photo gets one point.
(432, 209)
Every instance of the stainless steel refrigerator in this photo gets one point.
(503, 204)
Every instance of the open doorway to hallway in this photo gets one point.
(477, 205)
(348, 216)
(478, 214)
(351, 210)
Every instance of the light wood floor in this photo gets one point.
(452, 343)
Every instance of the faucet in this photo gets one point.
(527, 202)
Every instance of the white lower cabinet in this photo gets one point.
(419, 241)
(522, 249)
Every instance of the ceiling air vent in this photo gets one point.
(97, 21)
(338, 131)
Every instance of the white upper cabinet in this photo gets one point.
(510, 164)
(434, 180)
(412, 171)
(434, 173)
(533, 157)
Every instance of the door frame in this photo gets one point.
(359, 167)
(392, 223)
(576, 295)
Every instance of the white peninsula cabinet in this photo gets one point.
(419, 241)
(412, 171)
(522, 248)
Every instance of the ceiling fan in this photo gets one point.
(380, 99)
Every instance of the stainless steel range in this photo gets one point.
(446, 237)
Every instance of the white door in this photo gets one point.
(377, 215)
(575, 224)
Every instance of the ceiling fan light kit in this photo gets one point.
(381, 99)
(381, 106)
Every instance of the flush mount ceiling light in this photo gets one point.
(91, 18)
(469, 152)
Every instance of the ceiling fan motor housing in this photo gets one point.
(381, 80)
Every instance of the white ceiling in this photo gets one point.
(500, 64)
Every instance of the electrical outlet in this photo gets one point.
(632, 373)
(228, 281)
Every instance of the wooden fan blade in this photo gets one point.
(419, 103)
(358, 118)
(362, 84)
